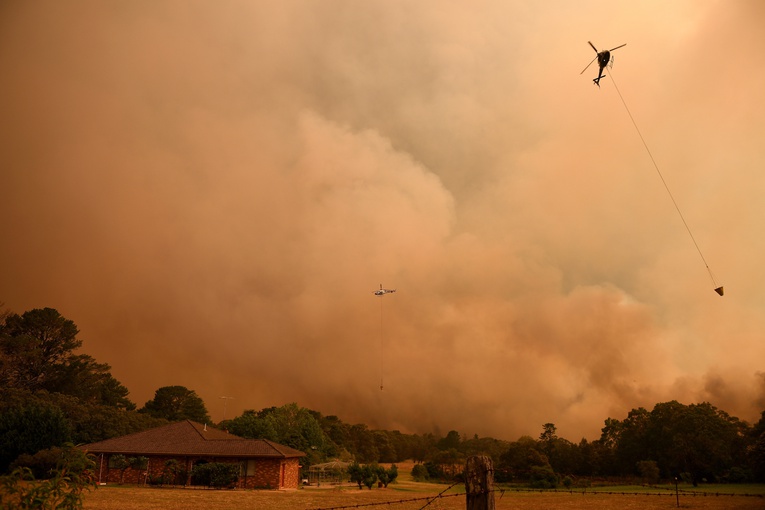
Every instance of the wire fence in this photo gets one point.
(658, 492)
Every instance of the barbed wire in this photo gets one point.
(503, 491)
(429, 500)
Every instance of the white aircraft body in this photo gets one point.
(382, 291)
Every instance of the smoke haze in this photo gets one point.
(212, 192)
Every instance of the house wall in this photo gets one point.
(266, 473)
(274, 474)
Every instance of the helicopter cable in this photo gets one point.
(718, 289)
(382, 351)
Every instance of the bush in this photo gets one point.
(543, 477)
(739, 475)
(74, 473)
(649, 471)
(43, 464)
(215, 474)
(420, 473)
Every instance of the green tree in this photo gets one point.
(29, 428)
(387, 476)
(450, 442)
(420, 473)
(543, 477)
(369, 475)
(698, 439)
(120, 462)
(82, 377)
(31, 343)
(253, 426)
(36, 353)
(519, 459)
(176, 403)
(384, 445)
(362, 444)
(649, 471)
(634, 441)
(356, 474)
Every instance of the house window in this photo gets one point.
(250, 468)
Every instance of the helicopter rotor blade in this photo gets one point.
(588, 65)
(593, 46)
(612, 49)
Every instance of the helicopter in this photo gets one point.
(604, 58)
(382, 291)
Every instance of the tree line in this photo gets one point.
(50, 396)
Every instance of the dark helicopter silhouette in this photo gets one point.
(603, 58)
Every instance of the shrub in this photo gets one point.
(649, 471)
(420, 473)
(215, 474)
(74, 473)
(543, 477)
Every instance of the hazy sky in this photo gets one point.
(212, 191)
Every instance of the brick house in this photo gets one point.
(173, 450)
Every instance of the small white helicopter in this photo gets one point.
(382, 291)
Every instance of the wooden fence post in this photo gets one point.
(479, 483)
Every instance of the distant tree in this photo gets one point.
(549, 433)
(369, 475)
(451, 441)
(362, 443)
(419, 473)
(649, 471)
(699, 439)
(386, 450)
(634, 441)
(334, 428)
(253, 426)
(756, 450)
(387, 476)
(450, 463)
(422, 447)
(494, 448)
(176, 403)
(543, 477)
(355, 474)
(519, 459)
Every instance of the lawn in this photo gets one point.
(408, 495)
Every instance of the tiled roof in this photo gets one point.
(191, 438)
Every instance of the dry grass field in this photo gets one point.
(147, 498)
(405, 494)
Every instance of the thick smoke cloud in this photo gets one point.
(213, 191)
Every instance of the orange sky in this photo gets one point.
(212, 192)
